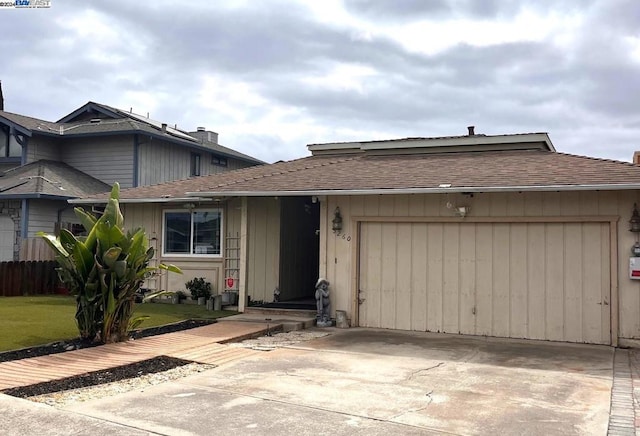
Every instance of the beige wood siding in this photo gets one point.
(149, 217)
(109, 159)
(338, 261)
(520, 280)
(263, 247)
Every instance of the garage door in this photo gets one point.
(519, 280)
(7, 236)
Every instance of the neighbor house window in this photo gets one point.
(9, 146)
(192, 233)
(219, 160)
(195, 164)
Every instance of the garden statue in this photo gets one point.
(276, 295)
(323, 304)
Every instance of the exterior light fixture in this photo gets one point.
(634, 222)
(337, 221)
(462, 211)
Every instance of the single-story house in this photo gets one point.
(495, 235)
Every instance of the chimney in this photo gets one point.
(164, 127)
(636, 157)
(471, 130)
(1, 98)
(205, 136)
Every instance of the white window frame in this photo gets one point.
(190, 212)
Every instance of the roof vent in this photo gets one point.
(471, 130)
(201, 129)
(95, 120)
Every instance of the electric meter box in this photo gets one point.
(634, 268)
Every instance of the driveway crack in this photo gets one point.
(417, 372)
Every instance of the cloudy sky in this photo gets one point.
(273, 76)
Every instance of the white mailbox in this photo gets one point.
(634, 268)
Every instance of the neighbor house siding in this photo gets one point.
(337, 260)
(10, 212)
(42, 147)
(43, 215)
(109, 159)
(159, 162)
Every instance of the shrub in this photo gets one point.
(199, 287)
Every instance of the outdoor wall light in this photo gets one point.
(462, 211)
(337, 221)
(634, 222)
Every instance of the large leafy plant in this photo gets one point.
(104, 270)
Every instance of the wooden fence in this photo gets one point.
(35, 249)
(28, 278)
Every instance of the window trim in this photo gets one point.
(220, 161)
(196, 165)
(191, 254)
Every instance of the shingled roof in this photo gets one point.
(351, 174)
(49, 179)
(122, 123)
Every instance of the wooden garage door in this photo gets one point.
(519, 280)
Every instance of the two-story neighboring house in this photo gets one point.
(43, 164)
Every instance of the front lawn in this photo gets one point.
(29, 321)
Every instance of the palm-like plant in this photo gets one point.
(104, 270)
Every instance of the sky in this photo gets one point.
(273, 76)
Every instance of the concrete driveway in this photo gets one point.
(380, 382)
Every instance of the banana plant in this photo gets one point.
(104, 270)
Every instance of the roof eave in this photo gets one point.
(140, 200)
(399, 191)
(34, 196)
(526, 138)
(20, 128)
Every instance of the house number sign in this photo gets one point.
(344, 236)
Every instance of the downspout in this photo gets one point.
(136, 148)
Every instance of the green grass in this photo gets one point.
(29, 321)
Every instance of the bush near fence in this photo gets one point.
(28, 278)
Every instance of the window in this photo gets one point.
(195, 164)
(218, 160)
(9, 146)
(192, 233)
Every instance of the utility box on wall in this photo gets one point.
(634, 268)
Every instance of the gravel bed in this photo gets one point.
(140, 383)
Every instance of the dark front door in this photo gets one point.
(299, 248)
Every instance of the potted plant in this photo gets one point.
(200, 289)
